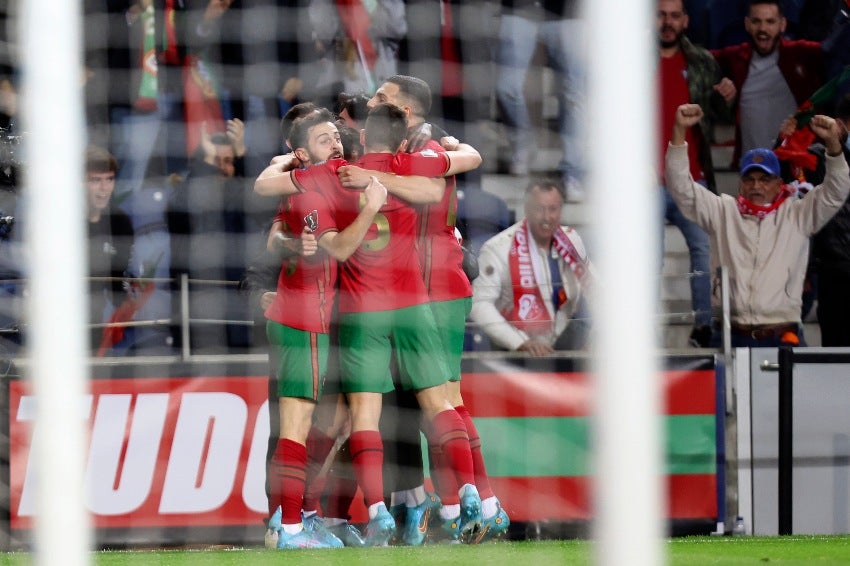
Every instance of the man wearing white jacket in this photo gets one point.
(762, 235)
(532, 277)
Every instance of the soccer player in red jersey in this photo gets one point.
(384, 306)
(298, 330)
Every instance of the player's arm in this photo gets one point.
(414, 189)
(276, 179)
(341, 245)
(462, 156)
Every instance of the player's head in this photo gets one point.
(297, 111)
(352, 146)
(315, 138)
(386, 128)
(101, 167)
(672, 19)
(353, 109)
(765, 22)
(411, 94)
(544, 199)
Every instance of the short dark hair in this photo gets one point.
(297, 111)
(546, 184)
(352, 149)
(99, 160)
(777, 3)
(386, 125)
(416, 90)
(357, 105)
(299, 134)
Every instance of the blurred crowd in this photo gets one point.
(185, 98)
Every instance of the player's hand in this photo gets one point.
(726, 89)
(285, 162)
(376, 194)
(829, 131)
(236, 133)
(688, 115)
(309, 243)
(449, 143)
(536, 348)
(353, 177)
(267, 298)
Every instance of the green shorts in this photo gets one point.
(368, 339)
(299, 359)
(451, 326)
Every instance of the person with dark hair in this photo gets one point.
(110, 240)
(532, 279)
(441, 259)
(762, 236)
(688, 73)
(352, 109)
(215, 224)
(773, 75)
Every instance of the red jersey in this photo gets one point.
(384, 273)
(306, 286)
(440, 255)
(673, 92)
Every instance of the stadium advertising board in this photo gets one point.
(190, 451)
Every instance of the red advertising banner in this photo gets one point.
(190, 451)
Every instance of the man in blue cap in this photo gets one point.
(762, 236)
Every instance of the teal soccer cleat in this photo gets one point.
(302, 539)
(416, 524)
(273, 529)
(492, 527)
(470, 508)
(347, 533)
(316, 525)
(379, 529)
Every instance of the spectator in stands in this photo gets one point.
(556, 25)
(110, 241)
(762, 236)
(687, 73)
(215, 224)
(773, 75)
(532, 278)
(830, 261)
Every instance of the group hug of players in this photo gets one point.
(372, 287)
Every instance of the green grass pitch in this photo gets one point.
(687, 551)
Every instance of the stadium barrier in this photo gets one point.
(177, 449)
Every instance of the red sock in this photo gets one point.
(319, 445)
(288, 469)
(367, 456)
(450, 434)
(443, 477)
(482, 481)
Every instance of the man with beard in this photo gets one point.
(773, 75)
(687, 73)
